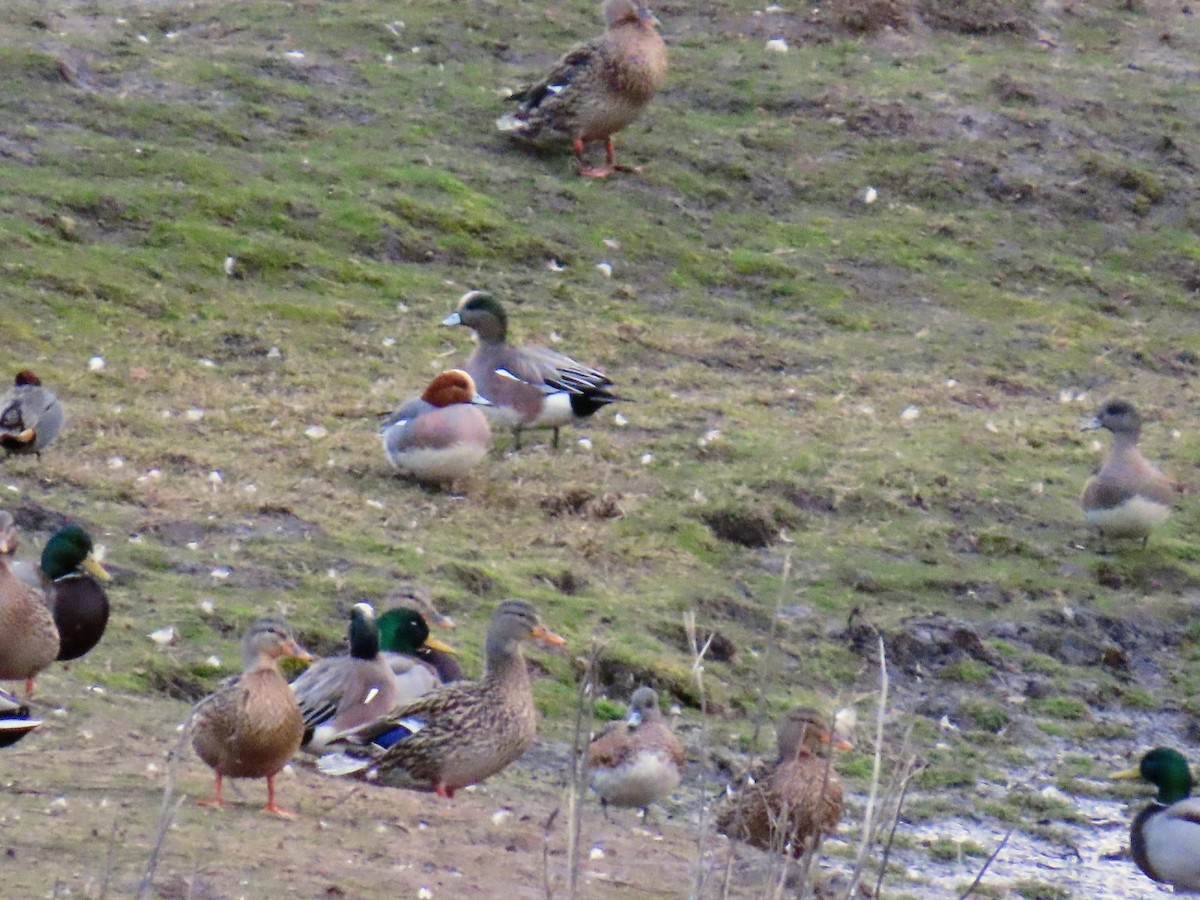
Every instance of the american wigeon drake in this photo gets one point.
(785, 805)
(441, 435)
(28, 636)
(637, 761)
(1127, 497)
(461, 733)
(597, 88)
(251, 726)
(30, 416)
(70, 576)
(15, 720)
(528, 387)
(1165, 836)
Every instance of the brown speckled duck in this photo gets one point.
(597, 88)
(28, 636)
(461, 733)
(637, 761)
(252, 726)
(30, 416)
(783, 806)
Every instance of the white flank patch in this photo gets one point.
(556, 411)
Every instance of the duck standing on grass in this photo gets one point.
(786, 805)
(1165, 836)
(597, 88)
(28, 636)
(1127, 497)
(637, 761)
(252, 726)
(30, 416)
(441, 435)
(527, 387)
(461, 733)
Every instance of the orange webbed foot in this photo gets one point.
(276, 810)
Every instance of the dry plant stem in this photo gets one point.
(765, 662)
(576, 789)
(546, 854)
(873, 795)
(698, 653)
(978, 878)
(167, 811)
(909, 769)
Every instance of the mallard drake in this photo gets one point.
(1127, 497)
(15, 721)
(28, 636)
(404, 633)
(528, 387)
(441, 435)
(637, 761)
(597, 88)
(1165, 836)
(461, 733)
(785, 805)
(252, 725)
(30, 416)
(70, 577)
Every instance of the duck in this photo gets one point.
(1127, 497)
(637, 761)
(461, 733)
(15, 720)
(1165, 836)
(404, 635)
(800, 787)
(252, 726)
(29, 639)
(440, 436)
(30, 416)
(527, 387)
(596, 88)
(70, 575)
(343, 692)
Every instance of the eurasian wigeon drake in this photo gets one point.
(785, 805)
(441, 435)
(1127, 497)
(597, 88)
(528, 387)
(30, 416)
(637, 761)
(1165, 836)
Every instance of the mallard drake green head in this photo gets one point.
(71, 579)
(70, 551)
(1165, 836)
(30, 416)
(638, 761)
(403, 630)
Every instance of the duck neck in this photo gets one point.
(1124, 442)
(505, 663)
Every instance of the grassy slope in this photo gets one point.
(1033, 236)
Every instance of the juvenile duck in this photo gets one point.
(597, 88)
(252, 726)
(30, 416)
(15, 721)
(637, 761)
(441, 435)
(528, 387)
(28, 636)
(461, 733)
(785, 805)
(1127, 497)
(1165, 836)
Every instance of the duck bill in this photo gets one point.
(1091, 426)
(453, 319)
(634, 719)
(92, 566)
(546, 636)
(25, 437)
(295, 651)
(480, 400)
(1126, 775)
(842, 744)
(442, 621)
(434, 644)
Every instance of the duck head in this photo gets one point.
(70, 551)
(1119, 417)
(482, 313)
(454, 386)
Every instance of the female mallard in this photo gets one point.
(1165, 836)
(441, 435)
(461, 733)
(15, 722)
(636, 761)
(70, 576)
(785, 805)
(597, 88)
(28, 637)
(252, 725)
(30, 416)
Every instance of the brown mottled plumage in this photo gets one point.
(252, 726)
(636, 761)
(28, 636)
(597, 88)
(785, 805)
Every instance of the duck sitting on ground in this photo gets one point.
(15, 721)
(786, 805)
(30, 416)
(28, 636)
(1165, 836)
(252, 725)
(528, 387)
(441, 435)
(597, 88)
(637, 761)
(1127, 497)
(461, 733)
